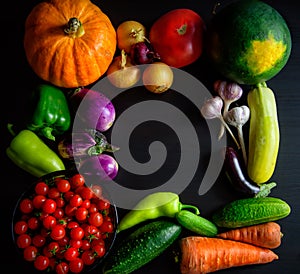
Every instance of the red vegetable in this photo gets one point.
(177, 36)
(143, 53)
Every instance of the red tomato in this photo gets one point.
(20, 227)
(30, 253)
(76, 265)
(62, 268)
(41, 262)
(57, 232)
(23, 240)
(77, 180)
(177, 36)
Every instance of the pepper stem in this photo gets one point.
(197, 212)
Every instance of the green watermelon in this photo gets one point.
(248, 42)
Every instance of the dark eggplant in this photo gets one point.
(236, 174)
(84, 144)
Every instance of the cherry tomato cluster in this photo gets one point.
(64, 225)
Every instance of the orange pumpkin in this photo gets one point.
(69, 43)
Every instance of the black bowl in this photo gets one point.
(111, 212)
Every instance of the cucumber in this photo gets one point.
(196, 223)
(251, 211)
(141, 246)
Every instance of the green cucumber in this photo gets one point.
(251, 211)
(196, 223)
(141, 246)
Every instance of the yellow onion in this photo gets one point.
(158, 77)
(122, 73)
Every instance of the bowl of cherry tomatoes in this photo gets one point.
(62, 224)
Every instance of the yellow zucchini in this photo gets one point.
(264, 134)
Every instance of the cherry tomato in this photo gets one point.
(49, 222)
(71, 253)
(97, 190)
(23, 240)
(177, 36)
(26, 205)
(77, 233)
(38, 240)
(103, 204)
(41, 262)
(62, 268)
(33, 223)
(88, 257)
(30, 253)
(38, 201)
(41, 188)
(107, 227)
(53, 193)
(20, 227)
(81, 214)
(57, 232)
(63, 185)
(99, 250)
(95, 218)
(77, 180)
(49, 206)
(76, 265)
(86, 193)
(76, 201)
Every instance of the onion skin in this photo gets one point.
(103, 166)
(93, 109)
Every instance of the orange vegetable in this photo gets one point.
(265, 235)
(205, 255)
(69, 43)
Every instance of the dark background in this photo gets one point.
(18, 80)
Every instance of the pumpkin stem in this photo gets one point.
(74, 28)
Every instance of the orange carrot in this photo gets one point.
(265, 235)
(201, 255)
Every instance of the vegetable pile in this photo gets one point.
(63, 225)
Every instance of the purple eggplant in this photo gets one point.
(83, 144)
(102, 166)
(236, 174)
(93, 109)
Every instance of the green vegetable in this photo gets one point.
(31, 154)
(251, 211)
(196, 223)
(264, 134)
(141, 246)
(51, 115)
(159, 204)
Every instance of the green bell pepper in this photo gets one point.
(30, 153)
(51, 115)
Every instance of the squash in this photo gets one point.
(69, 43)
(248, 42)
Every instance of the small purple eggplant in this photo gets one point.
(102, 166)
(83, 144)
(235, 172)
(93, 109)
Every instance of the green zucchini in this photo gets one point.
(251, 211)
(141, 246)
(196, 223)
